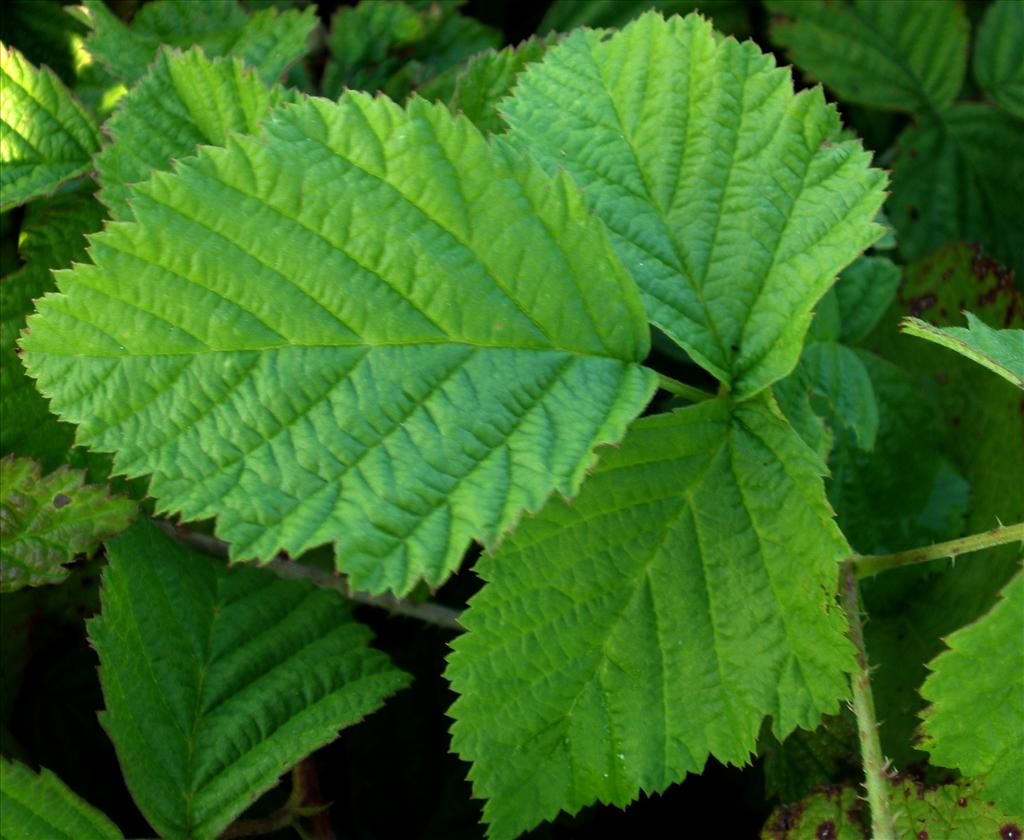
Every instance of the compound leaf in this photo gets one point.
(682, 597)
(1001, 351)
(41, 805)
(901, 54)
(46, 138)
(182, 102)
(46, 521)
(976, 720)
(728, 197)
(369, 327)
(999, 55)
(960, 176)
(268, 40)
(218, 679)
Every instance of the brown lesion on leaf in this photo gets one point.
(60, 500)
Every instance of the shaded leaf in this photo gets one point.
(899, 54)
(807, 760)
(46, 521)
(621, 640)
(999, 55)
(218, 679)
(46, 138)
(564, 15)
(37, 806)
(309, 378)
(976, 721)
(44, 33)
(726, 194)
(1001, 351)
(864, 292)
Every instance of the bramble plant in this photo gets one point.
(345, 307)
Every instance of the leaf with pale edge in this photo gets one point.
(37, 806)
(46, 138)
(957, 811)
(999, 55)
(218, 679)
(268, 40)
(976, 720)
(369, 326)
(724, 192)
(182, 102)
(686, 594)
(960, 176)
(900, 54)
(46, 521)
(1001, 351)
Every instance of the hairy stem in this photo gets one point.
(871, 565)
(876, 780)
(427, 611)
(681, 389)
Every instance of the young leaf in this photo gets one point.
(726, 194)
(1001, 351)
(182, 102)
(268, 40)
(961, 176)
(42, 806)
(976, 720)
(46, 138)
(45, 522)
(999, 55)
(900, 54)
(368, 326)
(682, 597)
(218, 679)
(950, 811)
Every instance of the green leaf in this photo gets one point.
(182, 102)
(864, 292)
(808, 760)
(960, 176)
(564, 15)
(38, 806)
(46, 138)
(487, 79)
(999, 55)
(976, 720)
(218, 679)
(273, 355)
(682, 597)
(268, 40)
(1001, 351)
(46, 521)
(900, 54)
(724, 192)
(950, 811)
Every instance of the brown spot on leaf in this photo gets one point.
(60, 500)
(922, 302)
(1010, 831)
(915, 214)
(961, 802)
(826, 831)
(922, 835)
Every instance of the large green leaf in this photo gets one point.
(900, 54)
(218, 679)
(1001, 351)
(369, 327)
(682, 597)
(976, 720)
(948, 812)
(728, 197)
(46, 521)
(960, 176)
(45, 136)
(268, 40)
(182, 102)
(42, 806)
(999, 55)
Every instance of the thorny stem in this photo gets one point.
(871, 565)
(681, 389)
(427, 611)
(876, 780)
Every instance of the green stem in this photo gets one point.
(871, 565)
(876, 780)
(681, 389)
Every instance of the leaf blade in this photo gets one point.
(1001, 351)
